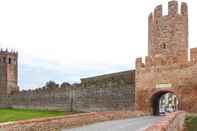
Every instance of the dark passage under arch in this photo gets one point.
(163, 102)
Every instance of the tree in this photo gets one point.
(65, 84)
(51, 84)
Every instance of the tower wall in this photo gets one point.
(167, 68)
(8, 72)
(168, 35)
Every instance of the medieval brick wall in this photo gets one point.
(102, 93)
(107, 92)
(8, 72)
(168, 35)
(167, 68)
(180, 79)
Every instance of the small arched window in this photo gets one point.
(4, 59)
(10, 61)
(156, 22)
(163, 46)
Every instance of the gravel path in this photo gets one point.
(132, 124)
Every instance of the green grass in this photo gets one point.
(7, 115)
(191, 123)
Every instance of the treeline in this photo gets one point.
(50, 85)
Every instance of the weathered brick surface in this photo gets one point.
(168, 35)
(8, 72)
(183, 82)
(102, 93)
(171, 122)
(167, 62)
(57, 123)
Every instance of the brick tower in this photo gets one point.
(8, 72)
(168, 35)
(167, 68)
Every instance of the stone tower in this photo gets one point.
(8, 72)
(168, 35)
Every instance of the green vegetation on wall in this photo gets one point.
(191, 123)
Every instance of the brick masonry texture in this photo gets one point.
(183, 80)
(102, 93)
(168, 35)
(8, 72)
(171, 122)
(57, 123)
(167, 68)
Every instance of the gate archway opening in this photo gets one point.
(164, 102)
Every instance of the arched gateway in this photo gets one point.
(164, 101)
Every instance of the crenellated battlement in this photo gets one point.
(158, 11)
(8, 56)
(7, 51)
(154, 61)
(45, 90)
(163, 61)
(173, 10)
(184, 9)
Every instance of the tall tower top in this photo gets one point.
(168, 34)
(8, 72)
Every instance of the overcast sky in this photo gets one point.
(65, 40)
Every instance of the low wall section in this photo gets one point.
(172, 122)
(58, 123)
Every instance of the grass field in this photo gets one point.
(24, 114)
(191, 123)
